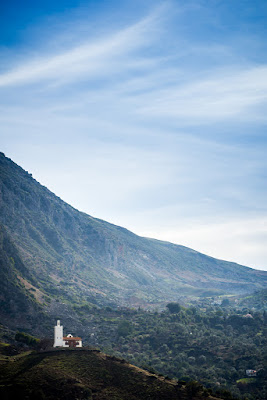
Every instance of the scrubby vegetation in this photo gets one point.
(86, 374)
(214, 347)
(205, 351)
(26, 339)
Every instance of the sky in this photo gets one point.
(148, 114)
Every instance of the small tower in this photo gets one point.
(58, 334)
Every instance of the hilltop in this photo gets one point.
(86, 374)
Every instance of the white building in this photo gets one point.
(251, 372)
(65, 341)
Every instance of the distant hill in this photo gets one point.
(84, 374)
(52, 255)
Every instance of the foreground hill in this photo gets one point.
(85, 374)
(64, 255)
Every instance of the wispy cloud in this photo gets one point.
(213, 98)
(157, 119)
(97, 57)
(146, 85)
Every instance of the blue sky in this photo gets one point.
(148, 114)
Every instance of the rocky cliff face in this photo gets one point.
(70, 256)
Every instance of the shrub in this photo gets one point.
(174, 308)
(26, 339)
(193, 388)
(124, 328)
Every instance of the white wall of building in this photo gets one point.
(58, 334)
(58, 337)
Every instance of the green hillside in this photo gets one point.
(19, 305)
(71, 257)
(214, 345)
(85, 374)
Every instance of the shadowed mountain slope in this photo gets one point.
(65, 253)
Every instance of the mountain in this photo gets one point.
(53, 256)
(15, 299)
(86, 374)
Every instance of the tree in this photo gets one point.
(202, 359)
(193, 388)
(45, 344)
(27, 339)
(225, 302)
(124, 328)
(174, 308)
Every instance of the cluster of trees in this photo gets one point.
(214, 347)
(26, 339)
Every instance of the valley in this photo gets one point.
(111, 287)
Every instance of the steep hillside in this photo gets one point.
(70, 256)
(85, 374)
(18, 304)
